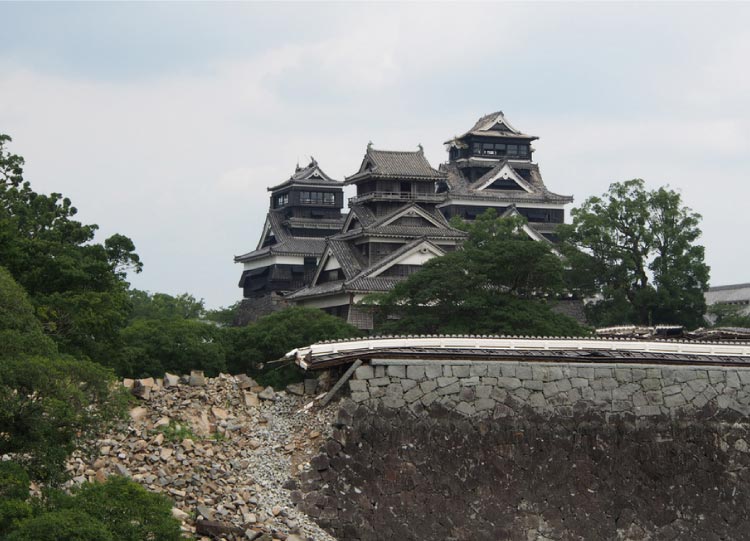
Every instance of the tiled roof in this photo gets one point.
(395, 164)
(394, 256)
(366, 284)
(291, 246)
(361, 282)
(280, 231)
(430, 211)
(363, 214)
(326, 288)
(494, 125)
(376, 229)
(310, 175)
(460, 188)
(346, 256)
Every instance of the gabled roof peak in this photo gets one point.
(494, 122)
(395, 164)
(494, 125)
(310, 174)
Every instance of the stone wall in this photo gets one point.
(525, 451)
(498, 389)
(253, 308)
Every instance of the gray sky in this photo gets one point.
(167, 121)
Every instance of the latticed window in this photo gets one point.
(317, 198)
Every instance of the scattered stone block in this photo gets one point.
(138, 414)
(311, 386)
(197, 379)
(297, 389)
(267, 394)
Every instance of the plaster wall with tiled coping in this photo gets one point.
(495, 389)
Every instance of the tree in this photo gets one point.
(636, 250)
(48, 404)
(500, 282)
(162, 306)
(225, 316)
(728, 315)
(154, 346)
(11, 165)
(63, 525)
(129, 511)
(20, 331)
(14, 493)
(48, 407)
(118, 509)
(272, 336)
(76, 285)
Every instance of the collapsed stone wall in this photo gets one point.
(486, 451)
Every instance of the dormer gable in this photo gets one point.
(327, 263)
(414, 254)
(503, 177)
(413, 216)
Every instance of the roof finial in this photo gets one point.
(296, 169)
(312, 161)
(369, 146)
(419, 146)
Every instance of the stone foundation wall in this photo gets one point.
(389, 474)
(500, 389)
(481, 451)
(253, 308)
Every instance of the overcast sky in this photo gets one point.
(166, 122)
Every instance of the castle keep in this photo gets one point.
(310, 254)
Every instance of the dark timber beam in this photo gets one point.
(327, 398)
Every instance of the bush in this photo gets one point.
(272, 336)
(129, 511)
(63, 525)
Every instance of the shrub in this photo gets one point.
(272, 336)
(63, 525)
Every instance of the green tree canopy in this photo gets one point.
(48, 407)
(20, 331)
(147, 305)
(728, 315)
(272, 336)
(636, 250)
(75, 284)
(154, 346)
(62, 525)
(500, 282)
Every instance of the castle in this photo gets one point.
(311, 254)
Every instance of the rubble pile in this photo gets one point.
(222, 449)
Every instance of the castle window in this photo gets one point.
(282, 200)
(512, 150)
(317, 198)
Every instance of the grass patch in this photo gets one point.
(176, 432)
